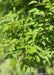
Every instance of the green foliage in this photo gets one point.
(27, 32)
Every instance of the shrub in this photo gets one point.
(27, 33)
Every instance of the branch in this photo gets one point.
(6, 47)
(23, 55)
(39, 1)
(6, 20)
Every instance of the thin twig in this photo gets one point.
(39, 1)
(6, 47)
(23, 54)
(22, 58)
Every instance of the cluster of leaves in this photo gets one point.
(27, 32)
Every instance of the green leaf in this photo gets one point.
(37, 58)
(51, 27)
(31, 50)
(32, 2)
(34, 10)
(38, 48)
(52, 53)
(13, 63)
(44, 43)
